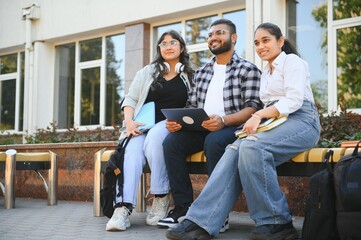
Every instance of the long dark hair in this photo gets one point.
(183, 58)
(274, 30)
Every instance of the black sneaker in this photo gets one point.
(187, 230)
(176, 215)
(275, 232)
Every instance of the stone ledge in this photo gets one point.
(76, 174)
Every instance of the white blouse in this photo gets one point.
(289, 84)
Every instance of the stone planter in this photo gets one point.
(75, 170)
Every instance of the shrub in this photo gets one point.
(52, 135)
(337, 128)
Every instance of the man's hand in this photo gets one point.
(172, 126)
(214, 123)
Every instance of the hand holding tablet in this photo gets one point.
(190, 118)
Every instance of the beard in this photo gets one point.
(223, 48)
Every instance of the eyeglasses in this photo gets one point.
(217, 33)
(172, 43)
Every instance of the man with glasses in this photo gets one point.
(227, 87)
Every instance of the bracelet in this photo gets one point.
(256, 116)
(222, 118)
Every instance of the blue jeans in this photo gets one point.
(252, 161)
(177, 146)
(142, 148)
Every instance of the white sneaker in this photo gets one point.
(119, 220)
(225, 226)
(159, 210)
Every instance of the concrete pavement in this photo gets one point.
(33, 219)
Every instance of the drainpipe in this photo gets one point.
(29, 14)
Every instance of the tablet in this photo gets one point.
(190, 118)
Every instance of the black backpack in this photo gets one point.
(320, 216)
(113, 172)
(347, 179)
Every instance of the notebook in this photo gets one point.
(265, 125)
(146, 116)
(190, 118)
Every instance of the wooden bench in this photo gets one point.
(304, 164)
(12, 161)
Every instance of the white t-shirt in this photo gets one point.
(214, 99)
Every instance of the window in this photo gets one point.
(334, 65)
(303, 21)
(11, 92)
(115, 55)
(89, 90)
(65, 85)
(343, 9)
(348, 62)
(196, 30)
(345, 29)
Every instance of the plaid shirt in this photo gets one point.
(241, 87)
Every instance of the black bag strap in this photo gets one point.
(328, 160)
(120, 148)
(123, 144)
(355, 151)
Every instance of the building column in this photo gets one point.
(137, 50)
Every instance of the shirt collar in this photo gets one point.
(277, 63)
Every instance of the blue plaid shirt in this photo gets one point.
(240, 90)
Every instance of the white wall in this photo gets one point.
(61, 19)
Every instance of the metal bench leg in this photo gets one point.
(53, 180)
(141, 200)
(2, 186)
(44, 181)
(10, 169)
(98, 184)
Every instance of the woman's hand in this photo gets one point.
(250, 127)
(172, 126)
(131, 128)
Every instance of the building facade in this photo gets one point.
(69, 63)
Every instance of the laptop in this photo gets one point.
(190, 118)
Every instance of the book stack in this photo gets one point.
(265, 125)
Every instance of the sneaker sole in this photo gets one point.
(173, 236)
(165, 224)
(287, 234)
(115, 228)
(152, 222)
(224, 228)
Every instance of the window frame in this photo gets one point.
(332, 27)
(79, 66)
(17, 76)
(198, 47)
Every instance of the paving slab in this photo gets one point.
(33, 219)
